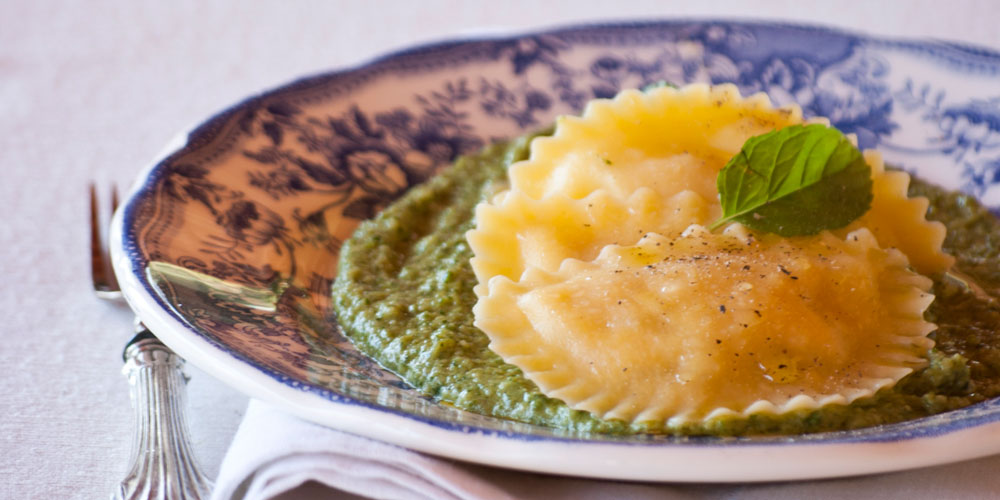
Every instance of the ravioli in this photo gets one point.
(705, 325)
(899, 221)
(557, 251)
(542, 233)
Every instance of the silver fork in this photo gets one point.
(162, 464)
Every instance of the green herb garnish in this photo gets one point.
(658, 84)
(796, 181)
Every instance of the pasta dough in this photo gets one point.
(613, 204)
(705, 325)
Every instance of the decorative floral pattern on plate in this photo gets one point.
(236, 233)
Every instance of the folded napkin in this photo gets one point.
(275, 455)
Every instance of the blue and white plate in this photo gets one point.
(228, 244)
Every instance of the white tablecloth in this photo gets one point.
(92, 91)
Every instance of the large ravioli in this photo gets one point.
(598, 281)
(704, 325)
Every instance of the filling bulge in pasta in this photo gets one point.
(708, 324)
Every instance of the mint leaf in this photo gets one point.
(796, 181)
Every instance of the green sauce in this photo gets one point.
(404, 296)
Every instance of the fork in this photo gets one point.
(162, 464)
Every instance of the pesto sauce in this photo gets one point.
(403, 295)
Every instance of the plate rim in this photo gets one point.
(351, 414)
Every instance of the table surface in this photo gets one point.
(90, 91)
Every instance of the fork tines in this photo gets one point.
(105, 284)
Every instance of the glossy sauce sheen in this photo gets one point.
(404, 296)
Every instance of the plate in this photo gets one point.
(227, 245)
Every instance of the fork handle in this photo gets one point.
(162, 465)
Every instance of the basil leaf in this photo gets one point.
(796, 181)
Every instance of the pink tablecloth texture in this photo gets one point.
(90, 91)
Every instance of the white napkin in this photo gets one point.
(277, 455)
(274, 453)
